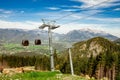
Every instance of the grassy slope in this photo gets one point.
(41, 76)
(19, 48)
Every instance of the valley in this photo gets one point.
(90, 57)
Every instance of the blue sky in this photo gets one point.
(69, 14)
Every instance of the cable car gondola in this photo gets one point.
(37, 42)
(25, 42)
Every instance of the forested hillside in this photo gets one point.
(96, 57)
(117, 41)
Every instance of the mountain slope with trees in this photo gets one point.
(117, 41)
(96, 57)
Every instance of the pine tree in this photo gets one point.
(90, 65)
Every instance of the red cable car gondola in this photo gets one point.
(25, 42)
(37, 42)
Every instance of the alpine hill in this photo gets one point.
(98, 57)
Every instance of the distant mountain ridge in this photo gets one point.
(84, 34)
(16, 35)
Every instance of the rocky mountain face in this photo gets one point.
(94, 46)
(98, 57)
(16, 35)
(84, 34)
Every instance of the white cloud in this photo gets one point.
(51, 15)
(4, 16)
(22, 12)
(114, 30)
(75, 6)
(69, 10)
(76, 26)
(83, 15)
(77, 17)
(98, 3)
(37, 24)
(53, 8)
(111, 20)
(99, 27)
(5, 11)
(20, 25)
(92, 12)
(117, 9)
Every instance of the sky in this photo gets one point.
(103, 15)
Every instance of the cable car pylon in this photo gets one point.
(51, 26)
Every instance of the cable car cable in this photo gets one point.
(85, 17)
(82, 10)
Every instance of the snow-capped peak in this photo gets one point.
(93, 30)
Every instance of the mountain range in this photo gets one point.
(17, 35)
(84, 34)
